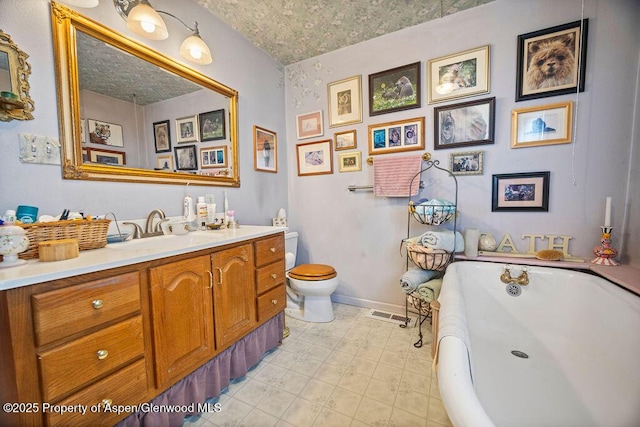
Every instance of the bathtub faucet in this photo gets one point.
(522, 279)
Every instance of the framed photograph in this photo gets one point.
(107, 157)
(466, 163)
(392, 137)
(552, 61)
(265, 150)
(345, 101)
(521, 192)
(309, 125)
(186, 158)
(349, 162)
(541, 125)
(459, 75)
(165, 162)
(105, 133)
(162, 136)
(396, 89)
(345, 140)
(212, 125)
(213, 157)
(463, 124)
(315, 158)
(187, 130)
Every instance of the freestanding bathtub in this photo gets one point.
(565, 352)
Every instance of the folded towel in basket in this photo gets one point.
(442, 239)
(415, 276)
(429, 291)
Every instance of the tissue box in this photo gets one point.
(279, 222)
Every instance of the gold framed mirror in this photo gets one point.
(15, 103)
(119, 102)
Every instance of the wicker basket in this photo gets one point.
(90, 234)
(428, 259)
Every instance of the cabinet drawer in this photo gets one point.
(126, 387)
(80, 361)
(269, 250)
(271, 303)
(269, 276)
(64, 312)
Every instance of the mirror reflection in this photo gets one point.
(137, 115)
(5, 76)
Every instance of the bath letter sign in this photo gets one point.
(563, 244)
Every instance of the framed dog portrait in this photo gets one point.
(521, 192)
(187, 129)
(459, 75)
(345, 101)
(552, 61)
(541, 125)
(212, 125)
(464, 124)
(265, 150)
(466, 163)
(315, 158)
(396, 89)
(392, 137)
(161, 136)
(349, 162)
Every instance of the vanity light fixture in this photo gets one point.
(146, 21)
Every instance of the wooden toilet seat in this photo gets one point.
(313, 272)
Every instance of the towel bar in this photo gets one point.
(425, 158)
(370, 187)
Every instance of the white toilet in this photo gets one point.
(309, 286)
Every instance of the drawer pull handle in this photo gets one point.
(274, 275)
(107, 402)
(210, 280)
(102, 354)
(272, 250)
(220, 272)
(97, 304)
(274, 301)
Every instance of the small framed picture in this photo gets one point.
(107, 157)
(186, 158)
(552, 61)
(345, 101)
(187, 129)
(213, 157)
(349, 162)
(521, 192)
(212, 126)
(309, 125)
(396, 89)
(315, 158)
(541, 125)
(265, 150)
(104, 133)
(165, 162)
(161, 136)
(392, 137)
(345, 140)
(459, 75)
(463, 124)
(466, 163)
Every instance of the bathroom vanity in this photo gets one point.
(122, 324)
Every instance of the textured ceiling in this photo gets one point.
(294, 30)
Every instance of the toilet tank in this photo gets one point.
(291, 249)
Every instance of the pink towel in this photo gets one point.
(392, 176)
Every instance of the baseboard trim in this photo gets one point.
(365, 303)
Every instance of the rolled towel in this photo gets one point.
(442, 239)
(413, 277)
(429, 291)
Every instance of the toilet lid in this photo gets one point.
(313, 272)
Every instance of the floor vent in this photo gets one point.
(390, 317)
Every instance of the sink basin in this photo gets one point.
(167, 242)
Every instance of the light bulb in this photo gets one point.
(197, 54)
(148, 27)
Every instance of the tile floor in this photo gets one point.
(354, 371)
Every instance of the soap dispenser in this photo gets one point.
(188, 211)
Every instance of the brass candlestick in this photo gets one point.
(605, 253)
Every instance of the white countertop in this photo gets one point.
(127, 253)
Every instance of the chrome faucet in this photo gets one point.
(150, 230)
(137, 230)
(522, 279)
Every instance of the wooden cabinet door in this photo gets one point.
(234, 297)
(182, 317)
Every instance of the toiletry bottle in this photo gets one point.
(188, 213)
(203, 214)
(226, 208)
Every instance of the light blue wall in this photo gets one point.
(237, 63)
(360, 234)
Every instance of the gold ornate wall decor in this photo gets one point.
(15, 103)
